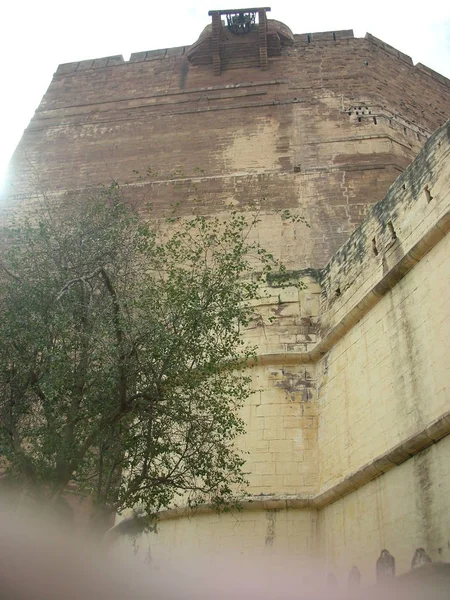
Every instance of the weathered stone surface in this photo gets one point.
(319, 132)
(347, 429)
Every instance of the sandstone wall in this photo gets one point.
(250, 535)
(387, 377)
(351, 403)
(348, 427)
(404, 509)
(325, 131)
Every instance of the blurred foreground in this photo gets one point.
(43, 560)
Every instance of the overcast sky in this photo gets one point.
(37, 35)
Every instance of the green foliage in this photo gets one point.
(122, 365)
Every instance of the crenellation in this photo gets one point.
(398, 219)
(65, 68)
(343, 34)
(308, 38)
(424, 69)
(371, 38)
(83, 65)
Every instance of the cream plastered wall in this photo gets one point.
(248, 534)
(281, 432)
(389, 376)
(347, 428)
(385, 382)
(404, 509)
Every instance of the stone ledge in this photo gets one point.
(432, 433)
(372, 297)
(388, 48)
(407, 59)
(434, 74)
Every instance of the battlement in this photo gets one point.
(302, 39)
(164, 53)
(395, 235)
(324, 36)
(390, 49)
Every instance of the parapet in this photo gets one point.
(396, 233)
(324, 36)
(96, 63)
(279, 36)
(390, 49)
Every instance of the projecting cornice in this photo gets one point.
(400, 453)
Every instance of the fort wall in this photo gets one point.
(404, 509)
(324, 130)
(347, 429)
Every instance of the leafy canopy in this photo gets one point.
(122, 365)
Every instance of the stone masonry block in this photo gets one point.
(67, 68)
(156, 54)
(274, 434)
(138, 57)
(85, 64)
(100, 62)
(115, 60)
(268, 410)
(281, 446)
(179, 51)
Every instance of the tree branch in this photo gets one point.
(83, 279)
(8, 272)
(119, 337)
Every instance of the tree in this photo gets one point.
(122, 365)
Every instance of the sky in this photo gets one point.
(36, 36)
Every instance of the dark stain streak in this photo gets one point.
(294, 384)
(424, 499)
(271, 516)
(277, 311)
(184, 73)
